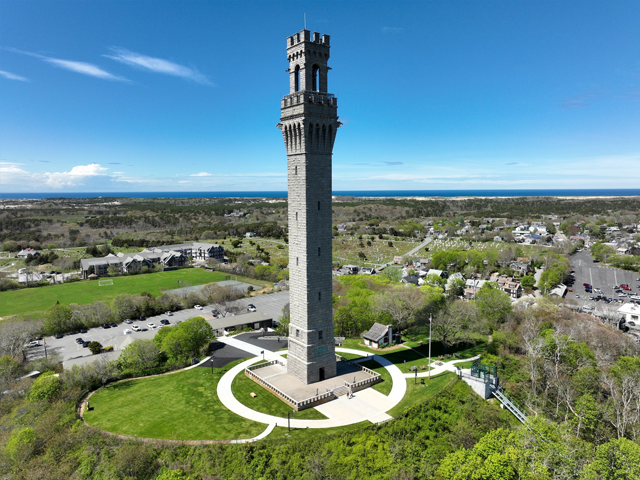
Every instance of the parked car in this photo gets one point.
(58, 335)
(198, 307)
(151, 325)
(128, 321)
(113, 324)
(79, 340)
(106, 325)
(586, 285)
(85, 344)
(127, 331)
(252, 308)
(169, 314)
(135, 328)
(84, 330)
(35, 343)
(164, 321)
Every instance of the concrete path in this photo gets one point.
(415, 250)
(264, 434)
(366, 404)
(446, 367)
(247, 347)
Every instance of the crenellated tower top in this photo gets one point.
(308, 57)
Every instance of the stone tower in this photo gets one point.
(309, 123)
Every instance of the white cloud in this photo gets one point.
(12, 76)
(157, 65)
(74, 66)
(201, 174)
(87, 170)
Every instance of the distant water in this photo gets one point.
(601, 192)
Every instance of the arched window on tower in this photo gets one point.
(315, 80)
(330, 135)
(296, 78)
(324, 136)
(310, 135)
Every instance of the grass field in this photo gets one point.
(265, 401)
(385, 386)
(180, 406)
(420, 393)
(406, 358)
(32, 302)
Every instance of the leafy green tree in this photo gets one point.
(527, 282)
(10, 246)
(494, 305)
(45, 387)
(21, 443)
(140, 355)
(188, 338)
(95, 347)
(615, 460)
(173, 475)
(58, 318)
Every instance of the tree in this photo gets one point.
(188, 338)
(401, 304)
(140, 355)
(615, 460)
(45, 387)
(21, 443)
(124, 306)
(454, 323)
(14, 336)
(95, 347)
(494, 305)
(9, 368)
(527, 282)
(283, 322)
(58, 318)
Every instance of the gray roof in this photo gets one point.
(376, 332)
(238, 320)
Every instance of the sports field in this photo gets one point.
(32, 302)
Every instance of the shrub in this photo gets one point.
(45, 387)
(20, 443)
(95, 347)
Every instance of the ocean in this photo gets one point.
(600, 192)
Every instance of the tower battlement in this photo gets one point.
(305, 36)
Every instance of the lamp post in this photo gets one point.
(212, 359)
(44, 340)
(289, 419)
(430, 318)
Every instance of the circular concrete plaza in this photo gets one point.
(367, 404)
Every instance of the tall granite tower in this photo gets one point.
(309, 123)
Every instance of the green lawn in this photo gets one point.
(419, 393)
(30, 302)
(385, 386)
(180, 406)
(265, 401)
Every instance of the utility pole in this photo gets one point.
(430, 319)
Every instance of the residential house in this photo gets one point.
(508, 285)
(414, 279)
(471, 287)
(28, 251)
(520, 267)
(378, 336)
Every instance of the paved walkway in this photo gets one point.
(366, 404)
(445, 367)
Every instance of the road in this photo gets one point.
(604, 278)
(68, 349)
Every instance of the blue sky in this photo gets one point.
(184, 96)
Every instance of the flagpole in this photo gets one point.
(429, 347)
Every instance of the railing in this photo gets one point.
(265, 364)
(309, 97)
(315, 398)
(508, 403)
(268, 386)
(366, 381)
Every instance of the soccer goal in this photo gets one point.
(102, 283)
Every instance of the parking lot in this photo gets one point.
(603, 278)
(68, 349)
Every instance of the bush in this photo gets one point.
(45, 387)
(20, 443)
(108, 349)
(95, 347)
